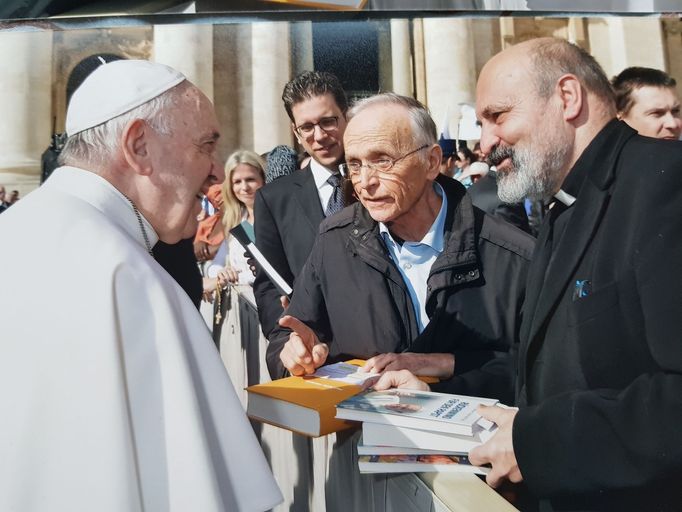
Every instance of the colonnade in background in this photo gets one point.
(243, 68)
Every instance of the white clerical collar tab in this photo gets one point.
(566, 199)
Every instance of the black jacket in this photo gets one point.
(351, 293)
(600, 366)
(287, 216)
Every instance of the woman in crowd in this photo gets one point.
(244, 175)
(234, 307)
(465, 157)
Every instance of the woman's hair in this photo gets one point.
(233, 209)
(467, 154)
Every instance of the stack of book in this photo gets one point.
(408, 431)
(307, 405)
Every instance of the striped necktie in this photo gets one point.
(335, 203)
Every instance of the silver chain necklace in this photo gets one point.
(144, 231)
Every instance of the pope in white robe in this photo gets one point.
(112, 394)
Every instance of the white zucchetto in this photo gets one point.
(116, 88)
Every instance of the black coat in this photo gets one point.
(352, 294)
(287, 215)
(600, 373)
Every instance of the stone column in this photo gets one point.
(577, 32)
(419, 60)
(26, 106)
(189, 49)
(226, 84)
(618, 42)
(672, 37)
(301, 47)
(450, 68)
(401, 57)
(270, 71)
(385, 65)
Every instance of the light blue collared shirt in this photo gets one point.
(414, 259)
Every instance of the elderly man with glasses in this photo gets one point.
(412, 276)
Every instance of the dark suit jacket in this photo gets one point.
(484, 195)
(287, 216)
(600, 376)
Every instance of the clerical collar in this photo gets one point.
(573, 182)
(563, 197)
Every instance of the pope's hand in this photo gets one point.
(499, 449)
(303, 353)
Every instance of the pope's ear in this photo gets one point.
(135, 143)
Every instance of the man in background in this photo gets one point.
(647, 100)
(288, 211)
(448, 164)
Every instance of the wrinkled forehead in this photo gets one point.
(384, 124)
(196, 112)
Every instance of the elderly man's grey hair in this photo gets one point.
(423, 127)
(95, 146)
(552, 58)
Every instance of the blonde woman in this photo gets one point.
(244, 175)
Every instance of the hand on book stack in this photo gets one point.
(397, 379)
(433, 365)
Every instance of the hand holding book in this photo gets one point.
(499, 449)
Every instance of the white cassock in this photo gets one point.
(112, 394)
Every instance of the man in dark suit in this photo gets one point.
(288, 211)
(599, 375)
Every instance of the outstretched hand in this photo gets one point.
(499, 449)
(304, 352)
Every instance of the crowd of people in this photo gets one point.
(408, 250)
(7, 200)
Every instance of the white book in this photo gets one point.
(418, 463)
(415, 439)
(366, 449)
(425, 410)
